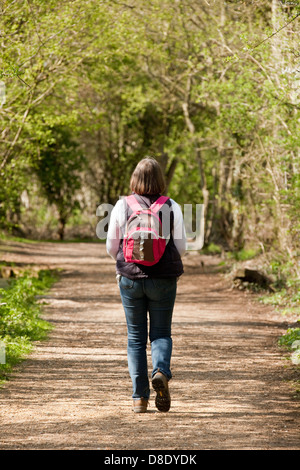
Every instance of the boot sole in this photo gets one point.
(163, 399)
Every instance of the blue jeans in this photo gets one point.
(156, 296)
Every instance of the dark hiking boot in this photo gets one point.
(140, 406)
(161, 387)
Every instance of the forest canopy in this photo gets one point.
(210, 88)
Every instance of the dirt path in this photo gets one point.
(230, 388)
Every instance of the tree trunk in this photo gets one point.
(170, 172)
(61, 228)
(230, 215)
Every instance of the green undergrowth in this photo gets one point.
(20, 317)
(286, 300)
(291, 341)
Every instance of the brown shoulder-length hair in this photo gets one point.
(147, 177)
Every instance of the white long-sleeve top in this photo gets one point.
(118, 221)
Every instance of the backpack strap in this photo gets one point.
(157, 205)
(133, 203)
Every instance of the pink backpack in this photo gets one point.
(143, 241)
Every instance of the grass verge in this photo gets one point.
(20, 317)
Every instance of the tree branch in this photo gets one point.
(276, 32)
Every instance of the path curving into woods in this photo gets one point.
(230, 388)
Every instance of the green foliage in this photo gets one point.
(20, 315)
(287, 301)
(289, 338)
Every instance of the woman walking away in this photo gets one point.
(146, 237)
